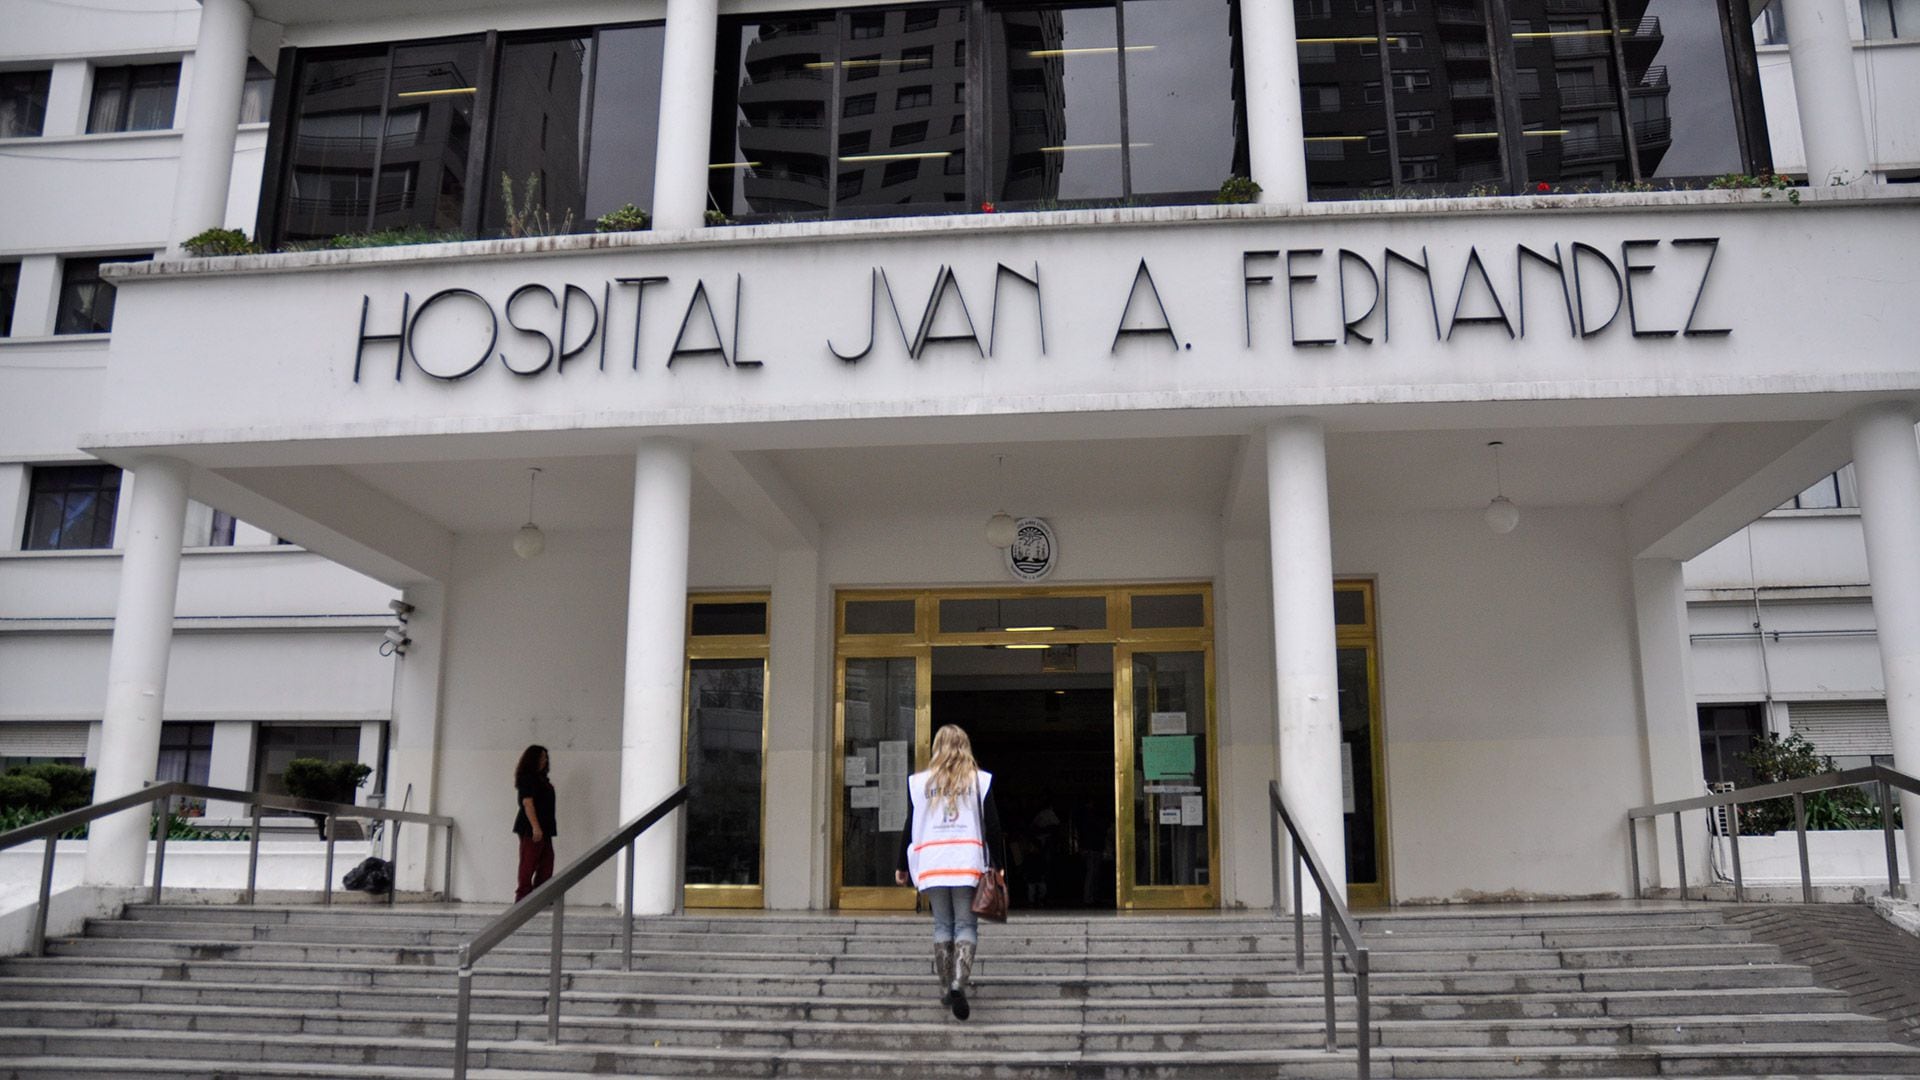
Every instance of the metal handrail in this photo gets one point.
(553, 893)
(1795, 789)
(161, 796)
(1357, 955)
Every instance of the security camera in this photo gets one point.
(400, 608)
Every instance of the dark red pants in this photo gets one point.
(536, 865)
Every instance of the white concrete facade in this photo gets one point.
(759, 461)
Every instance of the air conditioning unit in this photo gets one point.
(1721, 825)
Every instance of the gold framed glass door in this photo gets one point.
(1164, 728)
(1362, 748)
(880, 733)
(724, 736)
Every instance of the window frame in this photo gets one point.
(68, 282)
(101, 515)
(39, 124)
(127, 80)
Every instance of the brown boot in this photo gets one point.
(962, 980)
(943, 969)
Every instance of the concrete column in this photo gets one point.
(793, 807)
(1672, 725)
(656, 659)
(686, 115)
(230, 765)
(1304, 663)
(1275, 131)
(68, 92)
(137, 669)
(212, 117)
(1243, 621)
(1832, 125)
(413, 741)
(38, 298)
(14, 489)
(1886, 462)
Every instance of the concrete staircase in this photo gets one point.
(304, 992)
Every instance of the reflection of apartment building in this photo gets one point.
(900, 127)
(543, 83)
(1034, 114)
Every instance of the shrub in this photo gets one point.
(327, 781)
(1774, 759)
(530, 218)
(397, 237)
(220, 242)
(71, 785)
(1766, 183)
(715, 217)
(19, 792)
(628, 218)
(1238, 189)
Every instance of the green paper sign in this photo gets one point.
(1167, 757)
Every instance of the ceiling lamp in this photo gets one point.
(1502, 515)
(529, 542)
(1001, 526)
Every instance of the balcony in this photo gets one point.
(1470, 89)
(1588, 97)
(1653, 81)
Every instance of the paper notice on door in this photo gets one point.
(1169, 814)
(1346, 776)
(894, 758)
(1193, 811)
(1167, 757)
(856, 768)
(863, 798)
(869, 763)
(1167, 723)
(893, 810)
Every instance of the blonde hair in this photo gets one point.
(953, 767)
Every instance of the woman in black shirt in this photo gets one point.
(534, 823)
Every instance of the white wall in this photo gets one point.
(1512, 722)
(1826, 651)
(1787, 548)
(1888, 76)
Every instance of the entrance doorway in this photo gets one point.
(1093, 706)
(1045, 731)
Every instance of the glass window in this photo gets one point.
(23, 103)
(1062, 66)
(135, 97)
(256, 96)
(729, 619)
(1155, 610)
(71, 507)
(779, 99)
(186, 753)
(1888, 19)
(921, 70)
(380, 138)
(1343, 102)
(9, 293)
(1028, 613)
(1181, 59)
(278, 744)
(625, 118)
(879, 716)
(538, 148)
(1170, 842)
(1570, 106)
(1682, 90)
(86, 302)
(1770, 26)
(880, 616)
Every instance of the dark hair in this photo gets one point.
(532, 768)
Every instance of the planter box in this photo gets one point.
(1834, 857)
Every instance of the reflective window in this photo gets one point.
(256, 95)
(576, 116)
(9, 293)
(23, 103)
(1342, 98)
(778, 100)
(1682, 91)
(1059, 73)
(1182, 61)
(1570, 104)
(880, 617)
(278, 744)
(379, 139)
(135, 97)
(1034, 614)
(729, 619)
(86, 301)
(726, 710)
(71, 507)
(1888, 19)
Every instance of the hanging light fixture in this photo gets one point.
(1001, 526)
(1502, 515)
(529, 542)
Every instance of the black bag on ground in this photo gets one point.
(373, 875)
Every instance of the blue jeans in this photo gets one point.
(953, 917)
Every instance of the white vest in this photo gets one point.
(946, 849)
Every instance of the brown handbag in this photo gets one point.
(990, 895)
